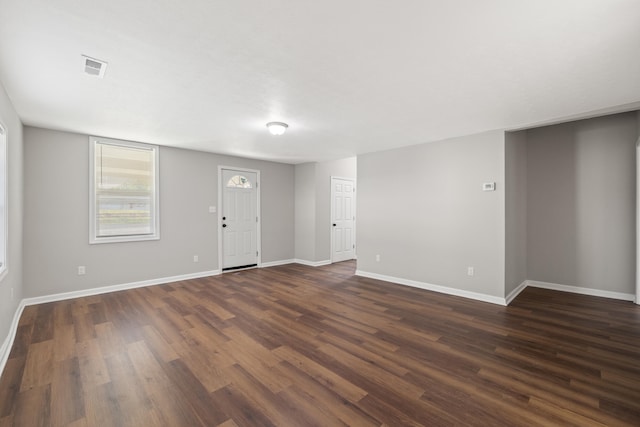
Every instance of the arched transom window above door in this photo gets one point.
(239, 181)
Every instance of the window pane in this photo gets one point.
(239, 181)
(124, 190)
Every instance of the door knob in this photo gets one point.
(334, 225)
(224, 225)
(224, 217)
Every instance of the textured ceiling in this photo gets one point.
(349, 77)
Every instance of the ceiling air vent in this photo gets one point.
(94, 67)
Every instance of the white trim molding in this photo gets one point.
(312, 263)
(514, 293)
(5, 350)
(436, 288)
(4, 201)
(115, 288)
(637, 296)
(582, 291)
(498, 300)
(277, 263)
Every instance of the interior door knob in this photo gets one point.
(224, 225)
(334, 225)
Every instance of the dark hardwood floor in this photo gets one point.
(302, 346)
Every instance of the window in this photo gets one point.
(123, 191)
(239, 181)
(4, 213)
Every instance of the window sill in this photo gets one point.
(122, 239)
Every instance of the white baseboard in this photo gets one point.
(514, 293)
(436, 288)
(8, 342)
(312, 263)
(582, 291)
(497, 300)
(114, 288)
(277, 263)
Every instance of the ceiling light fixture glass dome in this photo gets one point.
(277, 128)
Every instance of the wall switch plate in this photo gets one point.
(489, 186)
(82, 270)
(195, 258)
(377, 258)
(212, 209)
(470, 271)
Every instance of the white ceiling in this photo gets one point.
(349, 77)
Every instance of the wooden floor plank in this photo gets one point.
(133, 400)
(103, 408)
(33, 408)
(10, 385)
(39, 365)
(315, 394)
(92, 367)
(300, 346)
(67, 397)
(168, 399)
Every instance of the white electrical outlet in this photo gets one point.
(82, 270)
(378, 258)
(470, 271)
(195, 258)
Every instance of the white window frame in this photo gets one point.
(93, 238)
(4, 143)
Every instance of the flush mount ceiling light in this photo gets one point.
(277, 128)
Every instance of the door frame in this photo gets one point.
(331, 203)
(638, 221)
(220, 207)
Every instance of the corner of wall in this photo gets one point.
(304, 211)
(515, 267)
(11, 286)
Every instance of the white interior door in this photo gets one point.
(239, 219)
(343, 218)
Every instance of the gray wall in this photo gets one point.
(423, 210)
(13, 279)
(515, 210)
(313, 206)
(56, 220)
(581, 203)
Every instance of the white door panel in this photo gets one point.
(239, 218)
(342, 219)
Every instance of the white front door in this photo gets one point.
(343, 194)
(239, 219)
